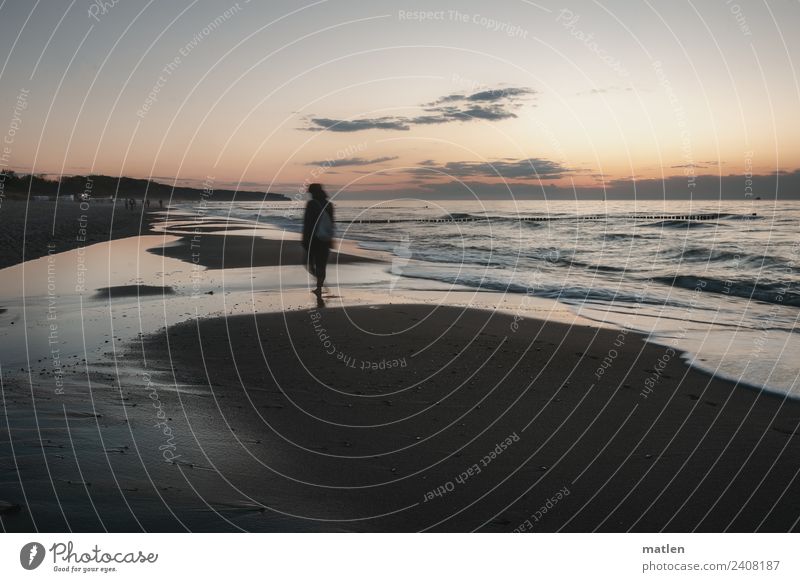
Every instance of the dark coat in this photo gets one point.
(313, 210)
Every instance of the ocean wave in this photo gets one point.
(611, 236)
(595, 267)
(682, 224)
(714, 255)
(480, 255)
(464, 216)
(571, 295)
(776, 292)
(602, 295)
(662, 219)
(752, 216)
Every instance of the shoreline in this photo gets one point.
(40, 228)
(453, 404)
(384, 411)
(273, 424)
(237, 251)
(270, 247)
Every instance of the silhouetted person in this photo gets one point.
(161, 204)
(147, 203)
(318, 232)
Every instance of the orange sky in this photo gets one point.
(371, 98)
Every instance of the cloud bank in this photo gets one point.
(530, 168)
(351, 162)
(488, 105)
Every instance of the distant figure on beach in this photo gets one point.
(161, 204)
(318, 232)
(147, 203)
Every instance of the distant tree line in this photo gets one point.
(14, 185)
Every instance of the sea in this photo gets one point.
(718, 280)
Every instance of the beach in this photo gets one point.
(32, 229)
(446, 419)
(228, 399)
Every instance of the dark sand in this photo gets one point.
(29, 227)
(237, 251)
(273, 433)
(697, 453)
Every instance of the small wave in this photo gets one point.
(766, 291)
(375, 245)
(480, 283)
(709, 255)
(603, 268)
(572, 295)
(682, 224)
(599, 295)
(464, 216)
(611, 236)
(752, 216)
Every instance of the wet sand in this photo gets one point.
(216, 251)
(31, 229)
(412, 417)
(401, 400)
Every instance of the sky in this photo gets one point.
(422, 98)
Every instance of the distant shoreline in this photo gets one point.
(15, 186)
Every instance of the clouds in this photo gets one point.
(488, 105)
(351, 162)
(344, 125)
(699, 164)
(489, 95)
(509, 169)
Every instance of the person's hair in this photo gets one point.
(317, 192)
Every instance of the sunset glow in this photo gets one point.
(380, 99)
